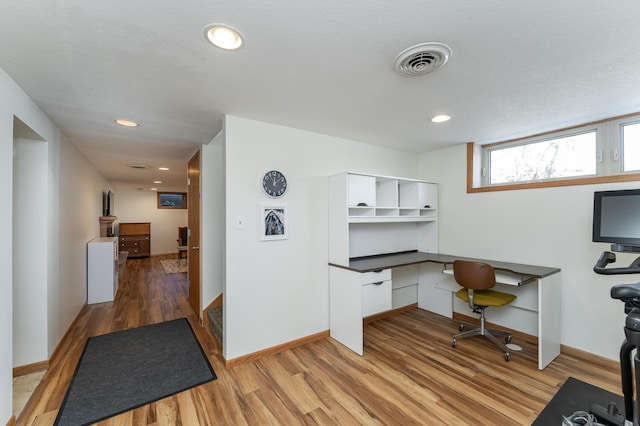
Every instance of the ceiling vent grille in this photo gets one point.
(421, 59)
(137, 166)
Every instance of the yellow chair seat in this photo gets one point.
(486, 297)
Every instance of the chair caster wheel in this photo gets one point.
(508, 338)
(507, 357)
(453, 343)
(461, 327)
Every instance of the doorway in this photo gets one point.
(29, 237)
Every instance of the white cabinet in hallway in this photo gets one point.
(102, 269)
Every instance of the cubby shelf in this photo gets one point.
(370, 215)
(389, 197)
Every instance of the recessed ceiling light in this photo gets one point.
(163, 168)
(157, 181)
(154, 189)
(441, 118)
(126, 123)
(223, 36)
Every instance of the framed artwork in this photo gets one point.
(273, 222)
(172, 200)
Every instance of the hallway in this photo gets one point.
(147, 296)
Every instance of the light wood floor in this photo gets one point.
(409, 374)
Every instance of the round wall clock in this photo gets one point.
(274, 184)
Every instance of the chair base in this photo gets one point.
(489, 333)
(182, 250)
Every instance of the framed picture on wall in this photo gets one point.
(273, 222)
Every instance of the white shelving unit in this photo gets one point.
(102, 269)
(371, 215)
(372, 199)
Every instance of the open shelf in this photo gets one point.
(388, 197)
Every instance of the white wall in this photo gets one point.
(212, 207)
(75, 205)
(142, 206)
(547, 227)
(278, 291)
(74, 202)
(10, 93)
(29, 249)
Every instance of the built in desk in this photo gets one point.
(363, 288)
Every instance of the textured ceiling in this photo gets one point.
(518, 67)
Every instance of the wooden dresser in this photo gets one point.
(135, 238)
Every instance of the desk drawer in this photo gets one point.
(376, 297)
(376, 276)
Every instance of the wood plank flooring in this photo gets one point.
(409, 374)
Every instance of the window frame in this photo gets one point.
(608, 169)
(619, 126)
(488, 149)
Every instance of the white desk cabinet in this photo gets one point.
(102, 269)
(353, 296)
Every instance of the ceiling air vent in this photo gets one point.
(421, 59)
(137, 166)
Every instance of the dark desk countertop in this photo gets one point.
(386, 261)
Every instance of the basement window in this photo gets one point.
(172, 200)
(560, 157)
(604, 151)
(631, 146)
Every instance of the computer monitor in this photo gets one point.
(616, 219)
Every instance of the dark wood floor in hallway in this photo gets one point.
(409, 374)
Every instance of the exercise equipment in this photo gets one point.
(630, 295)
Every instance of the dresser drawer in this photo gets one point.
(134, 238)
(130, 244)
(376, 297)
(375, 276)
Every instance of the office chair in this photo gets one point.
(477, 278)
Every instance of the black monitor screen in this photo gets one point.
(616, 217)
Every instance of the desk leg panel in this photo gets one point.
(345, 308)
(548, 319)
(435, 291)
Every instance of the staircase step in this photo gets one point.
(215, 321)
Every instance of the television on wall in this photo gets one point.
(107, 203)
(616, 219)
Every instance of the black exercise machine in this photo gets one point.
(630, 295)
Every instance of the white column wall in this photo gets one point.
(212, 220)
(545, 226)
(278, 291)
(8, 90)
